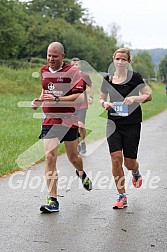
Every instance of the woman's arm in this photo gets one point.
(144, 97)
(105, 104)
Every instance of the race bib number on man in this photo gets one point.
(119, 109)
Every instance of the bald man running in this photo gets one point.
(62, 86)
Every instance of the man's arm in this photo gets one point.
(91, 93)
(67, 98)
(37, 102)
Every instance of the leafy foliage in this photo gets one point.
(70, 10)
(142, 63)
(156, 54)
(12, 33)
(27, 28)
(163, 69)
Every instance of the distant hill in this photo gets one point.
(156, 54)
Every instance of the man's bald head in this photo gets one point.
(55, 55)
(56, 46)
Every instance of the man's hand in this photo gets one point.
(90, 100)
(48, 97)
(36, 103)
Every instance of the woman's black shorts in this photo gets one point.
(123, 137)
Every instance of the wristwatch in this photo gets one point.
(57, 99)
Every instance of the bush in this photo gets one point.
(16, 64)
(23, 63)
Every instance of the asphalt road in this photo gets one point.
(86, 221)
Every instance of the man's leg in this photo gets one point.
(50, 165)
(76, 160)
(51, 176)
(82, 131)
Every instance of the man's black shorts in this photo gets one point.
(124, 137)
(59, 131)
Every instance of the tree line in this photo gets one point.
(26, 29)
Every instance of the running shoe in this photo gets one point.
(50, 207)
(83, 148)
(79, 148)
(136, 179)
(121, 202)
(86, 182)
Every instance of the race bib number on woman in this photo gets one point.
(119, 109)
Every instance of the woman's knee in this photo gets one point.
(130, 163)
(116, 160)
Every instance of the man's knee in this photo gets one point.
(50, 157)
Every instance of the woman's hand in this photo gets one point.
(129, 100)
(107, 105)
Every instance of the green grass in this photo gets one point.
(159, 102)
(20, 130)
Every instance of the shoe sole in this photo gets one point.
(115, 207)
(87, 189)
(137, 184)
(47, 210)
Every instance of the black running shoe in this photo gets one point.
(50, 207)
(86, 182)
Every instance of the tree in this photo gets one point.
(98, 47)
(12, 32)
(142, 63)
(26, 29)
(163, 69)
(70, 10)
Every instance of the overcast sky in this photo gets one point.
(143, 23)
